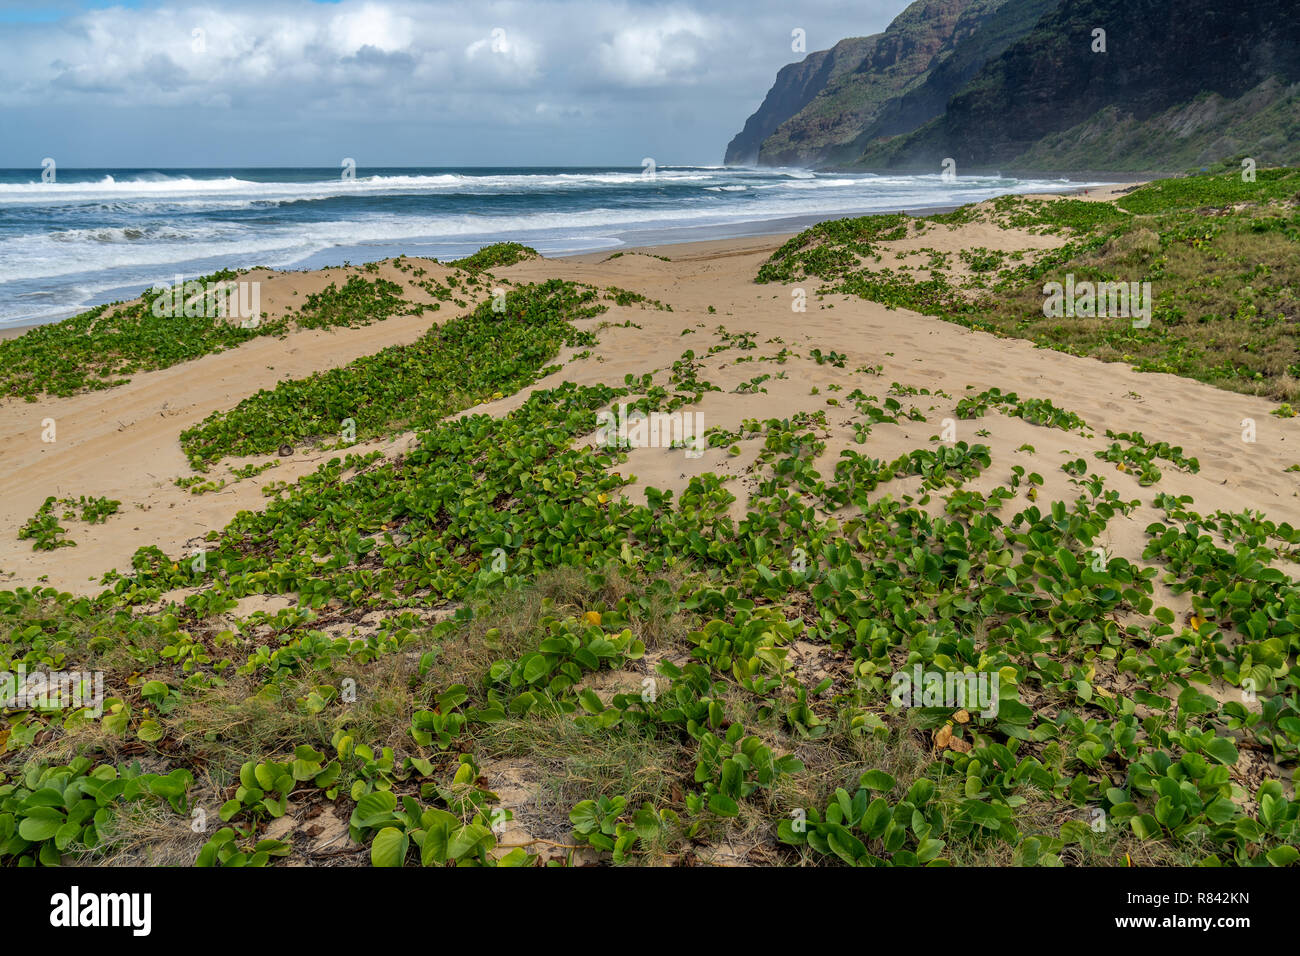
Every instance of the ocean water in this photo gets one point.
(99, 235)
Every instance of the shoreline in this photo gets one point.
(653, 240)
(127, 449)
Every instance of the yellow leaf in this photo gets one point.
(943, 736)
(592, 617)
(962, 717)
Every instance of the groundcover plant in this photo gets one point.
(499, 647)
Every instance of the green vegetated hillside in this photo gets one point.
(1027, 88)
(665, 678)
(1263, 123)
(1158, 58)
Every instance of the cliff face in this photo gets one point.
(1050, 101)
(979, 36)
(795, 87)
(896, 60)
(1016, 84)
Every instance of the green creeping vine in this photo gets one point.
(442, 373)
(44, 530)
(496, 256)
(722, 619)
(1139, 456)
(103, 347)
(47, 811)
(1036, 411)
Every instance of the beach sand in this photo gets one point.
(123, 443)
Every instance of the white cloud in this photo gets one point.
(371, 25)
(144, 56)
(407, 71)
(655, 52)
(506, 56)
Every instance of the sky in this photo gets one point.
(466, 83)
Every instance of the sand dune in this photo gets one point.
(123, 442)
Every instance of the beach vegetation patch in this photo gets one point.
(685, 676)
(43, 528)
(460, 363)
(105, 346)
(1220, 254)
(496, 256)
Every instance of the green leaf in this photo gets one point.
(1221, 810)
(928, 850)
(723, 806)
(732, 778)
(41, 823)
(438, 828)
(646, 823)
(1145, 826)
(585, 817)
(536, 666)
(389, 848)
(516, 857)
(273, 847)
(374, 809)
(982, 814)
(66, 834)
(878, 781)
(845, 845)
(468, 840)
(1283, 855)
(1223, 750)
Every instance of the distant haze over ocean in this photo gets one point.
(97, 235)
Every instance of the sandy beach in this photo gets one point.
(122, 443)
